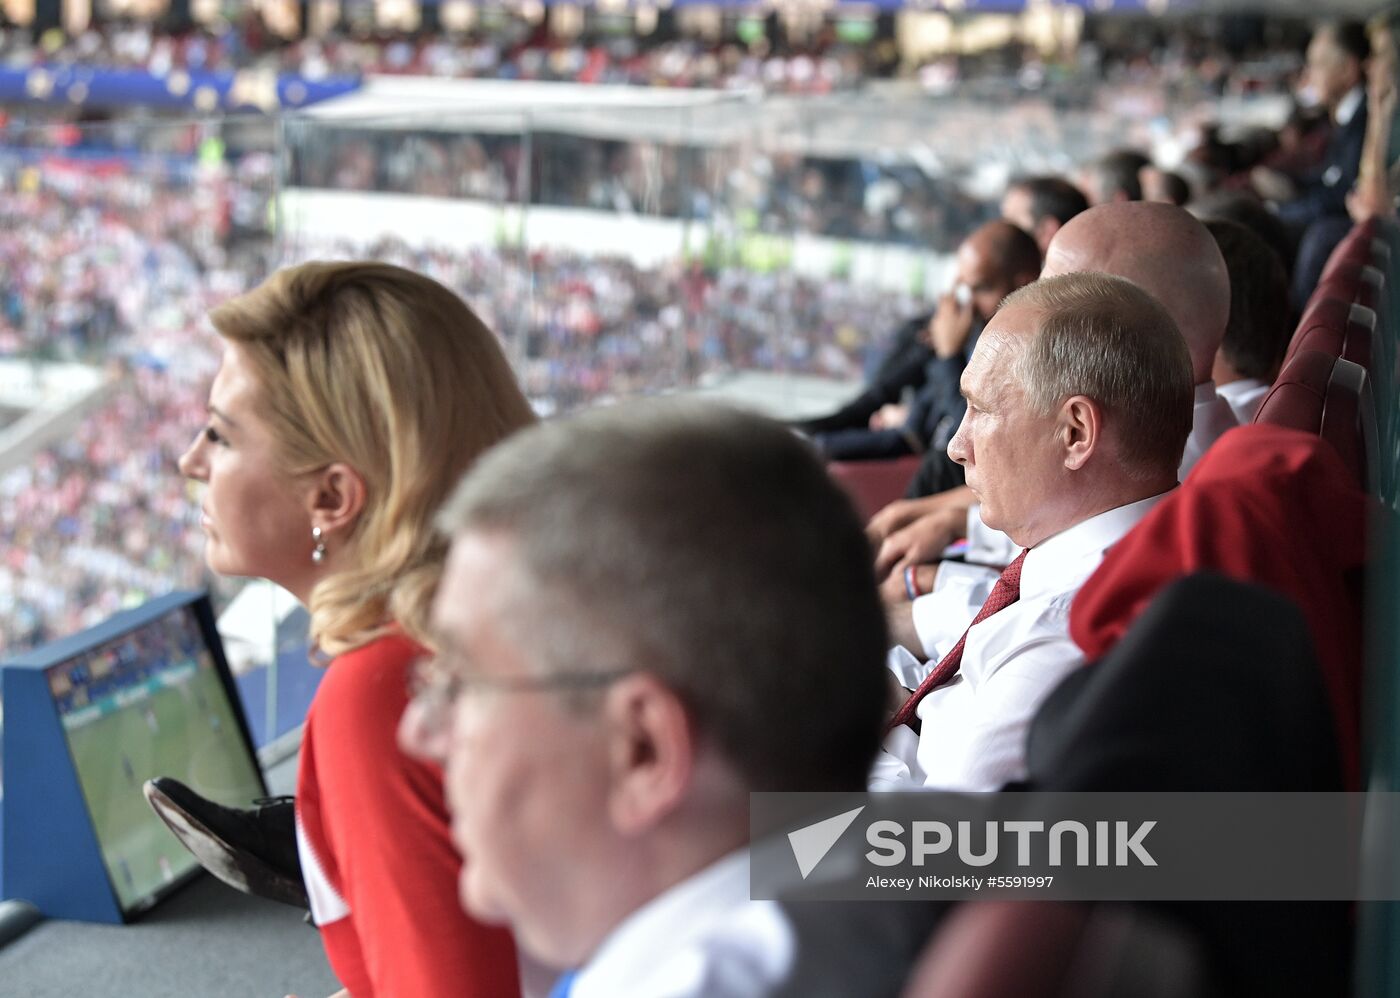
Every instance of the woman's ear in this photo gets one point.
(337, 497)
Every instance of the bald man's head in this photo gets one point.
(995, 260)
(1163, 250)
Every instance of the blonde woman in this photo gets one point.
(350, 399)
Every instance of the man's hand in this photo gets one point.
(922, 541)
(1380, 85)
(900, 513)
(889, 417)
(951, 325)
(901, 624)
(1364, 203)
(894, 590)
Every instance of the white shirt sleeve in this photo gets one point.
(896, 767)
(974, 729)
(958, 593)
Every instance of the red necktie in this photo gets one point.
(1004, 593)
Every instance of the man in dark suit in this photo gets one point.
(1336, 72)
(929, 356)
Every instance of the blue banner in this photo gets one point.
(207, 92)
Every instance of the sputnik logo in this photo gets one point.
(811, 843)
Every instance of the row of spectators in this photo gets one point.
(515, 52)
(1182, 57)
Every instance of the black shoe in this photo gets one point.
(253, 850)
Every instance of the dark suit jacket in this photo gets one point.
(934, 413)
(901, 367)
(1325, 190)
(1215, 687)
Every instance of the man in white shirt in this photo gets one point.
(1170, 255)
(648, 612)
(1079, 405)
(1259, 329)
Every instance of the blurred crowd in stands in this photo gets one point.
(118, 269)
(1183, 59)
(106, 269)
(583, 329)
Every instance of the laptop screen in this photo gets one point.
(151, 701)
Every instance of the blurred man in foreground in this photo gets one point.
(648, 612)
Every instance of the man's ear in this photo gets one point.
(651, 752)
(1080, 429)
(337, 497)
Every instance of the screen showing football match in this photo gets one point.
(149, 703)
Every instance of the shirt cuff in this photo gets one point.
(896, 766)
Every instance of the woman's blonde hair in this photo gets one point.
(391, 373)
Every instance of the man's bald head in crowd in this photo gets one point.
(1163, 250)
(995, 260)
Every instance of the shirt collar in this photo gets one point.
(1055, 562)
(1349, 105)
(1206, 393)
(1236, 391)
(664, 925)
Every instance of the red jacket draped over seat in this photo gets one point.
(1266, 505)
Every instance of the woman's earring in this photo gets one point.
(318, 553)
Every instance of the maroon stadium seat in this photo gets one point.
(873, 485)
(1336, 328)
(1359, 283)
(1053, 949)
(1326, 395)
(1360, 247)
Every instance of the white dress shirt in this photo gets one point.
(1245, 396)
(1210, 418)
(974, 726)
(1349, 105)
(702, 937)
(969, 584)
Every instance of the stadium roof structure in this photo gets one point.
(689, 116)
(932, 133)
